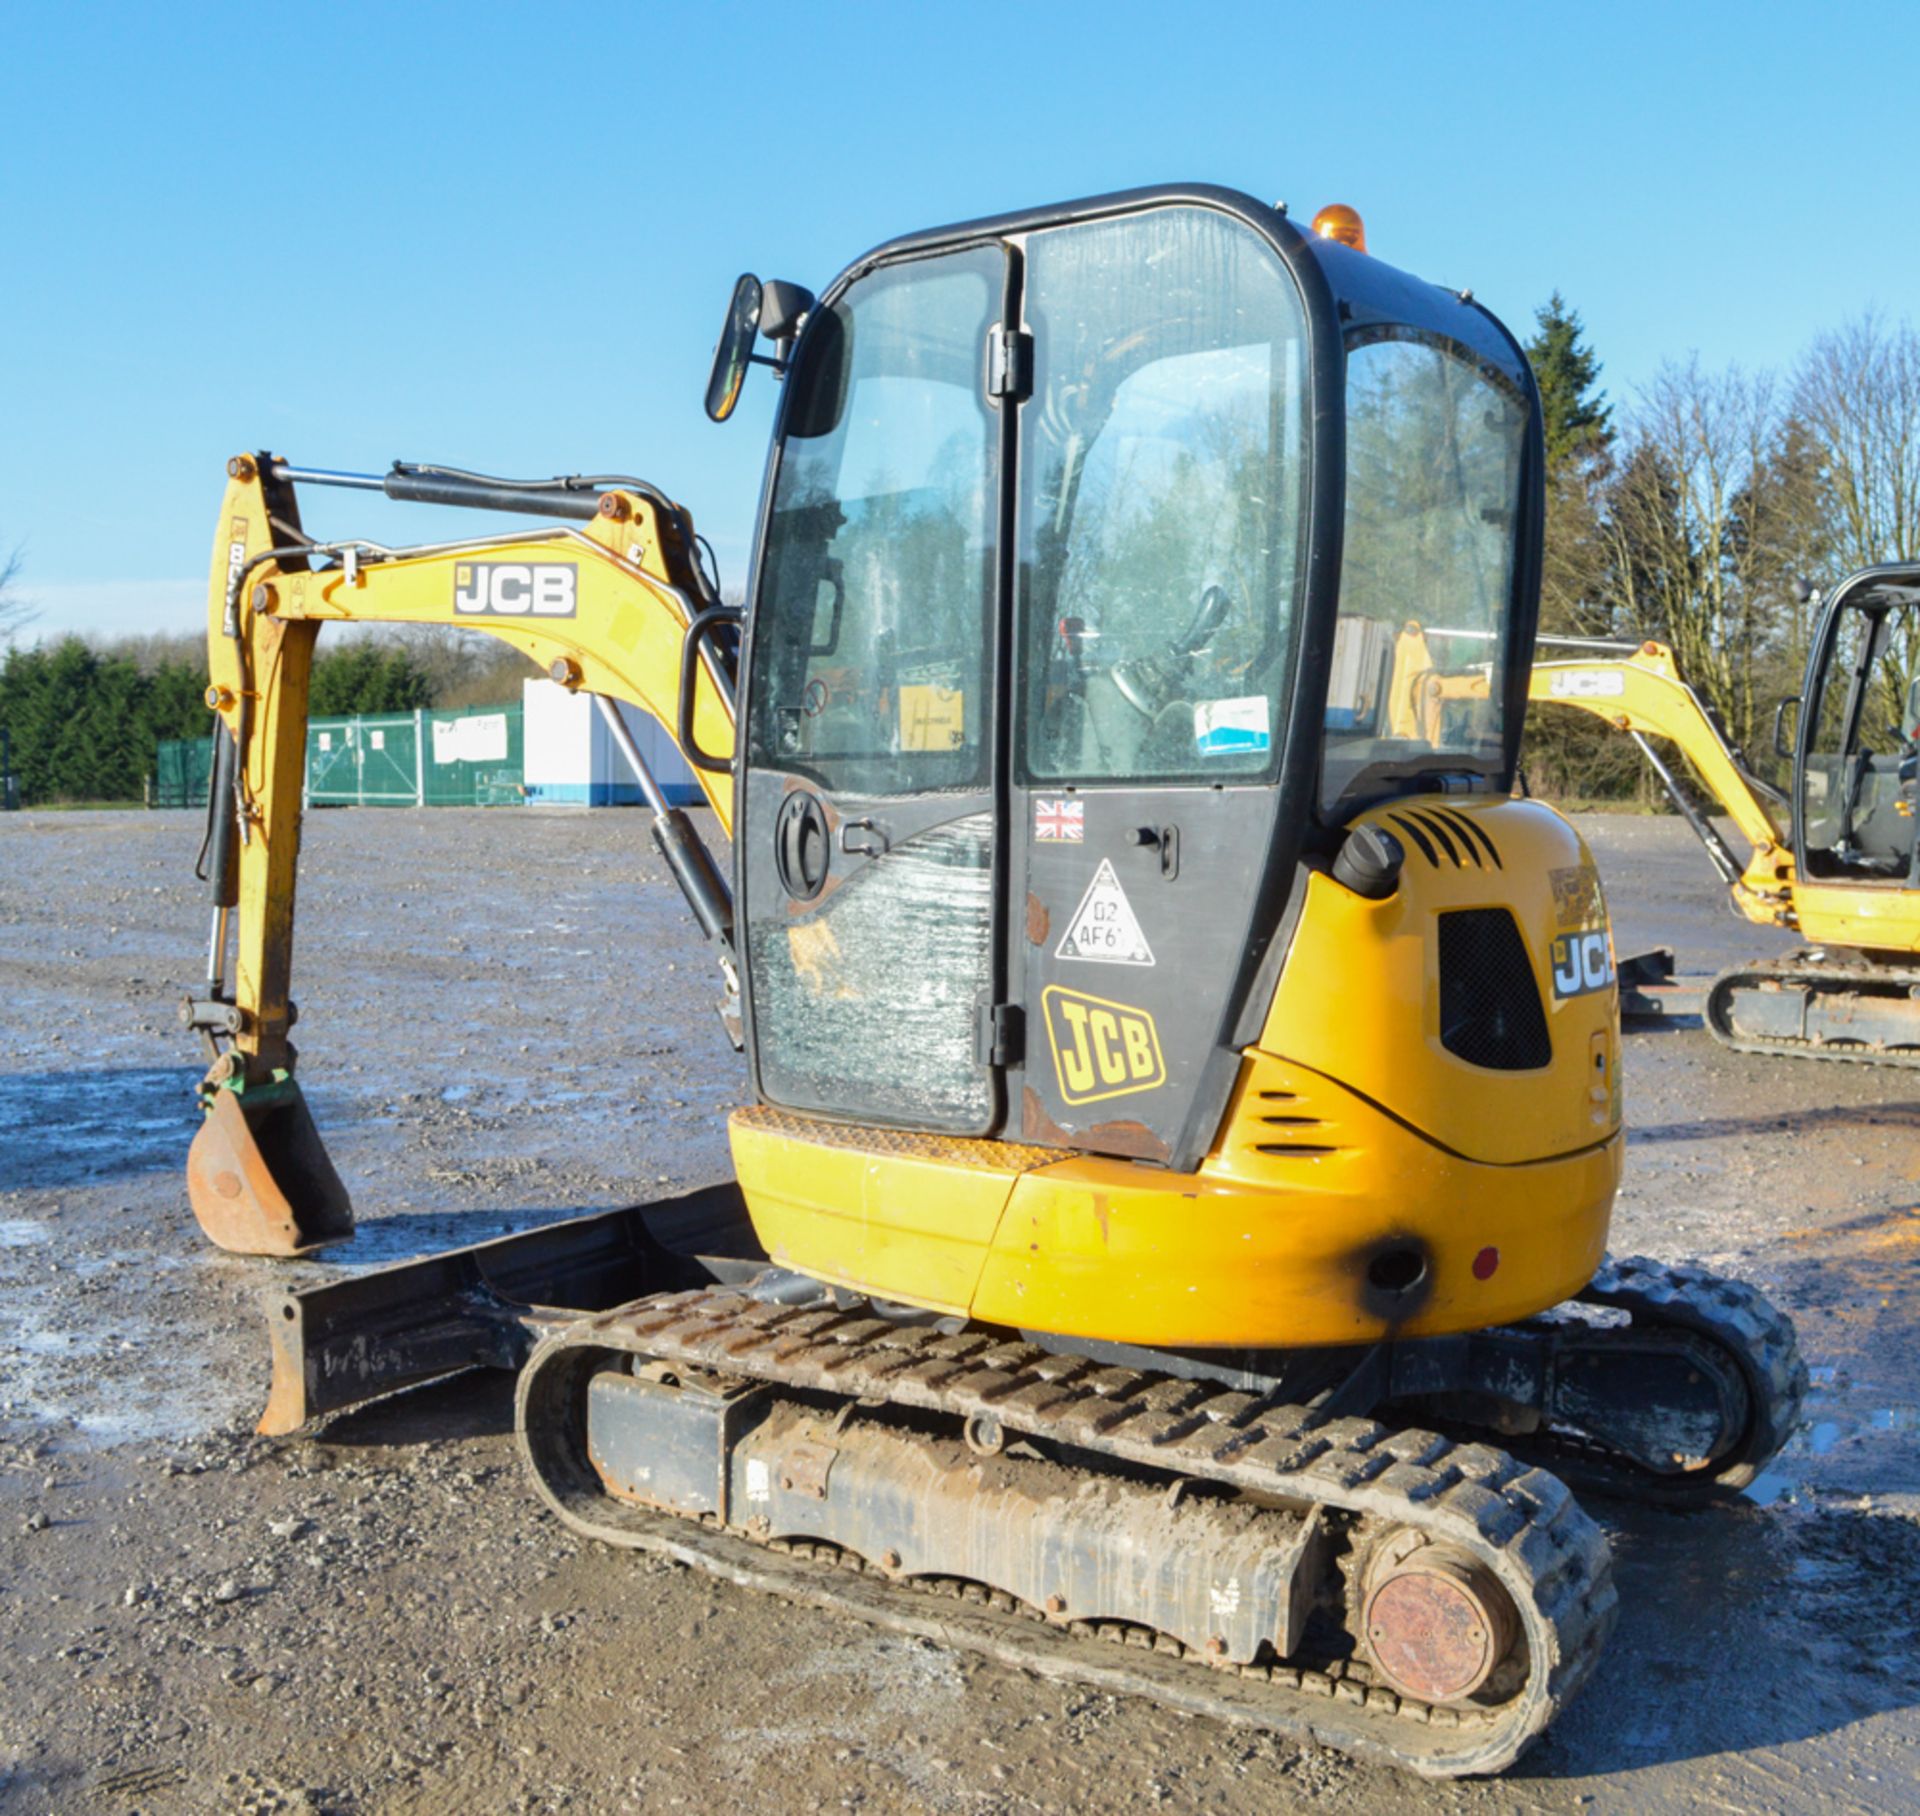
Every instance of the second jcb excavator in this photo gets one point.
(1178, 1166)
(1835, 858)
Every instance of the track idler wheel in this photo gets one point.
(1435, 1623)
(258, 1175)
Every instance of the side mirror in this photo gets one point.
(733, 351)
(1911, 730)
(1782, 745)
(776, 309)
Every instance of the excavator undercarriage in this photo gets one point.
(1372, 1549)
(1857, 1007)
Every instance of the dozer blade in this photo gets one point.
(259, 1178)
(365, 1335)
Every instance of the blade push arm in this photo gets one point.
(602, 603)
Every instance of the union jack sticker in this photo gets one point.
(1059, 822)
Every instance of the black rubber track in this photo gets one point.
(1518, 1521)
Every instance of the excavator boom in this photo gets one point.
(613, 604)
(1637, 688)
(1642, 692)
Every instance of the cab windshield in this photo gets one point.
(1434, 446)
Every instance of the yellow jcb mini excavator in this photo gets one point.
(1836, 859)
(1185, 1111)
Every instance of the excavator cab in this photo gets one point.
(1087, 540)
(1859, 747)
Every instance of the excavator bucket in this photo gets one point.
(259, 1178)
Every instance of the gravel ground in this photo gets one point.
(507, 1019)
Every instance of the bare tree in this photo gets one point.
(15, 613)
(1714, 512)
(1858, 390)
(464, 667)
(1695, 444)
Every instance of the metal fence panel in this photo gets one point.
(475, 758)
(369, 760)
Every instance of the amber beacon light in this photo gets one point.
(1337, 221)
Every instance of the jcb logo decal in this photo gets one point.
(1582, 963)
(515, 589)
(1574, 685)
(1100, 1049)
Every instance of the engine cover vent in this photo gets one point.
(1444, 834)
(1490, 1012)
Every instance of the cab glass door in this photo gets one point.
(868, 824)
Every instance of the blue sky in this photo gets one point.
(502, 236)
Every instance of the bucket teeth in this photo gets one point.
(259, 1179)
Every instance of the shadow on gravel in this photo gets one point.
(1822, 1119)
(65, 1129)
(1756, 1625)
(475, 1405)
(1669, 1022)
(1854, 1291)
(1743, 1628)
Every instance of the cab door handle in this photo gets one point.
(1167, 839)
(863, 839)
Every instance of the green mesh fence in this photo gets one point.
(372, 760)
(470, 758)
(475, 758)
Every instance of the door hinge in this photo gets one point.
(1009, 363)
(1000, 1036)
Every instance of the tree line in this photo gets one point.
(84, 717)
(1713, 510)
(1697, 511)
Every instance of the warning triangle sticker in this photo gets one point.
(1103, 927)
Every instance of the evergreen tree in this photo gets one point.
(1567, 753)
(1578, 418)
(85, 719)
(368, 678)
(78, 721)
